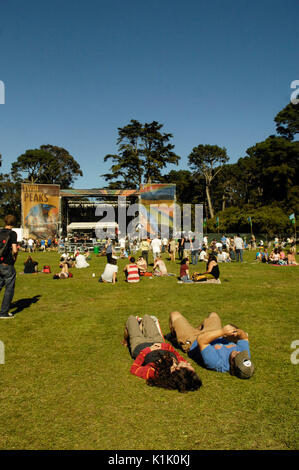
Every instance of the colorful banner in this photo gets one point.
(40, 210)
(157, 208)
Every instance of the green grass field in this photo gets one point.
(66, 384)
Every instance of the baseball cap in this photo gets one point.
(244, 368)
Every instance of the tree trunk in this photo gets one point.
(209, 202)
(223, 202)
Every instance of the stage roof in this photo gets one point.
(98, 192)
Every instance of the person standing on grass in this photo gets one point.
(239, 247)
(7, 260)
(156, 247)
(155, 360)
(144, 246)
(223, 349)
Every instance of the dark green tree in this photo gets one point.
(287, 121)
(276, 160)
(47, 165)
(207, 161)
(143, 152)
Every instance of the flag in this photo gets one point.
(217, 221)
(249, 220)
(204, 222)
(292, 218)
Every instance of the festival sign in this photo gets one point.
(40, 210)
(157, 208)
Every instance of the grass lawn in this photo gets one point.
(66, 384)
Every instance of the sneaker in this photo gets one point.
(7, 315)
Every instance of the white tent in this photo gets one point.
(91, 226)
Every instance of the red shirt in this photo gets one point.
(133, 273)
(183, 270)
(145, 372)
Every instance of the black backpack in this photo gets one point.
(4, 239)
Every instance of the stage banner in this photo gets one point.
(40, 210)
(157, 206)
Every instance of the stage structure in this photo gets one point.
(157, 214)
(46, 208)
(40, 210)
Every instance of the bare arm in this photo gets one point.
(205, 339)
(14, 251)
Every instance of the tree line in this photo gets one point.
(259, 191)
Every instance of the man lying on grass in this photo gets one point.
(224, 349)
(156, 361)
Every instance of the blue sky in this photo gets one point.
(212, 72)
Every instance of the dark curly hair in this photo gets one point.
(183, 380)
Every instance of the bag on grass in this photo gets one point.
(46, 269)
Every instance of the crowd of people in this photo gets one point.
(213, 346)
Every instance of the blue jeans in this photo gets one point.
(7, 279)
(186, 279)
(239, 254)
(194, 256)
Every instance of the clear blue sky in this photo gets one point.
(74, 71)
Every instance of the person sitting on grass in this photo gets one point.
(155, 360)
(222, 349)
(212, 273)
(30, 266)
(274, 256)
(64, 274)
(131, 271)
(142, 265)
(203, 256)
(291, 257)
(264, 256)
(184, 271)
(110, 272)
(159, 268)
(81, 261)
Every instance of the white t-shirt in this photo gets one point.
(156, 245)
(238, 243)
(109, 270)
(81, 262)
(202, 255)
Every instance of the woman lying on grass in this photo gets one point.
(156, 361)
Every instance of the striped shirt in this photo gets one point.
(133, 273)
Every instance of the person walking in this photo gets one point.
(8, 256)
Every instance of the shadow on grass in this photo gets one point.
(21, 304)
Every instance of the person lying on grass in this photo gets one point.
(155, 360)
(64, 274)
(223, 349)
